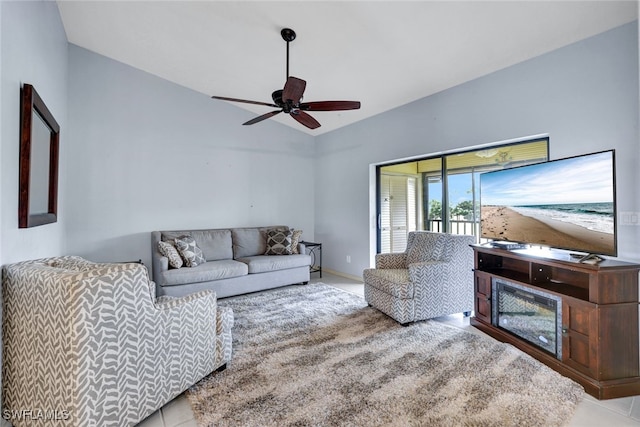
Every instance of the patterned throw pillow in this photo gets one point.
(278, 242)
(189, 251)
(168, 250)
(295, 239)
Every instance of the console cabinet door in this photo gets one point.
(580, 335)
(483, 296)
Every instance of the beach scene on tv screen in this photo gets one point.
(566, 204)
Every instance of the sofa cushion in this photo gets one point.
(248, 242)
(215, 244)
(170, 251)
(251, 241)
(266, 263)
(278, 242)
(210, 270)
(189, 251)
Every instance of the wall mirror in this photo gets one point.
(39, 140)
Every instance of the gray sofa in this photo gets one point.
(235, 263)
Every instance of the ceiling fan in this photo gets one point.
(289, 99)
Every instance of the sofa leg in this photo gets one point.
(466, 313)
(221, 368)
(305, 283)
(404, 325)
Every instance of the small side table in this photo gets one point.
(315, 250)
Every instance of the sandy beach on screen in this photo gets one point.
(543, 231)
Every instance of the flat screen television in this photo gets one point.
(566, 204)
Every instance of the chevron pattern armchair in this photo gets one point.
(88, 344)
(432, 278)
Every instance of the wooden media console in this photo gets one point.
(599, 304)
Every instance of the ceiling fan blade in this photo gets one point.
(293, 89)
(305, 119)
(330, 105)
(262, 117)
(224, 98)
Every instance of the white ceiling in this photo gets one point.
(382, 53)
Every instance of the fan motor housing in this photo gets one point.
(288, 34)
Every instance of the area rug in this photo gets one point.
(318, 356)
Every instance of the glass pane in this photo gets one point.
(462, 216)
(433, 203)
(39, 170)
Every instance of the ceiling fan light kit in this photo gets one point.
(288, 99)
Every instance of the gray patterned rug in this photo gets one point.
(318, 356)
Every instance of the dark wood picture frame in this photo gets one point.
(39, 147)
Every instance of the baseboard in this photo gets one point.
(341, 274)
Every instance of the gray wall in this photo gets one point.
(144, 154)
(147, 154)
(34, 50)
(584, 96)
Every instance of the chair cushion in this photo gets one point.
(394, 282)
(265, 263)
(210, 270)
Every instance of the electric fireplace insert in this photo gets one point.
(531, 314)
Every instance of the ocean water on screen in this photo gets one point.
(593, 216)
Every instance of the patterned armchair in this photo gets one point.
(433, 277)
(88, 344)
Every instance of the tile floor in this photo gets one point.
(591, 412)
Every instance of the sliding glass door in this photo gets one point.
(441, 193)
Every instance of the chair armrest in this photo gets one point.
(421, 272)
(391, 260)
(441, 287)
(440, 274)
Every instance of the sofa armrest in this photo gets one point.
(159, 262)
(391, 260)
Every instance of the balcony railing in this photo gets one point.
(457, 226)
